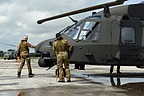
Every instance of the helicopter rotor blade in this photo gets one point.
(117, 2)
(8, 44)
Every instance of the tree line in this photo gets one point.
(1, 53)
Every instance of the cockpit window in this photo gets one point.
(88, 25)
(95, 36)
(84, 30)
(128, 35)
(90, 31)
(74, 31)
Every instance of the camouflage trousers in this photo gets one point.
(62, 60)
(27, 59)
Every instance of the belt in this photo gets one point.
(62, 52)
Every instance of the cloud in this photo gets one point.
(3, 19)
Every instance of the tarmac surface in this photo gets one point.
(94, 81)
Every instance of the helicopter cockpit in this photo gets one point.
(86, 29)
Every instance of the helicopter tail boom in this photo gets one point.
(117, 2)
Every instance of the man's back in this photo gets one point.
(60, 45)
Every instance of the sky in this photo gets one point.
(19, 17)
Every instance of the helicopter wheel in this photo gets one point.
(57, 72)
(80, 66)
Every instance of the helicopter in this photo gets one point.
(111, 37)
(10, 53)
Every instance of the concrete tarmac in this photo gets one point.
(94, 81)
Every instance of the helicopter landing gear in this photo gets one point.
(80, 66)
(112, 67)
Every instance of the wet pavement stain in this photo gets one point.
(116, 79)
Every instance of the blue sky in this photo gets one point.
(18, 18)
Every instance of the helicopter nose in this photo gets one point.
(37, 54)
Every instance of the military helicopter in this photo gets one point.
(11, 53)
(112, 37)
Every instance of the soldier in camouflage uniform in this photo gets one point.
(23, 49)
(61, 49)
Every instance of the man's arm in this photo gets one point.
(30, 45)
(54, 49)
(70, 48)
(18, 51)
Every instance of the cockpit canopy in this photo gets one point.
(88, 28)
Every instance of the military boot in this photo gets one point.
(18, 74)
(31, 75)
(68, 80)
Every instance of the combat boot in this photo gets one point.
(31, 75)
(18, 74)
(61, 81)
(69, 80)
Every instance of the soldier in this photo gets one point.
(61, 49)
(23, 49)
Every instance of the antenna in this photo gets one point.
(75, 21)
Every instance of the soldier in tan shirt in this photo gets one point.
(23, 49)
(61, 49)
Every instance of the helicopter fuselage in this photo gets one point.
(99, 40)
